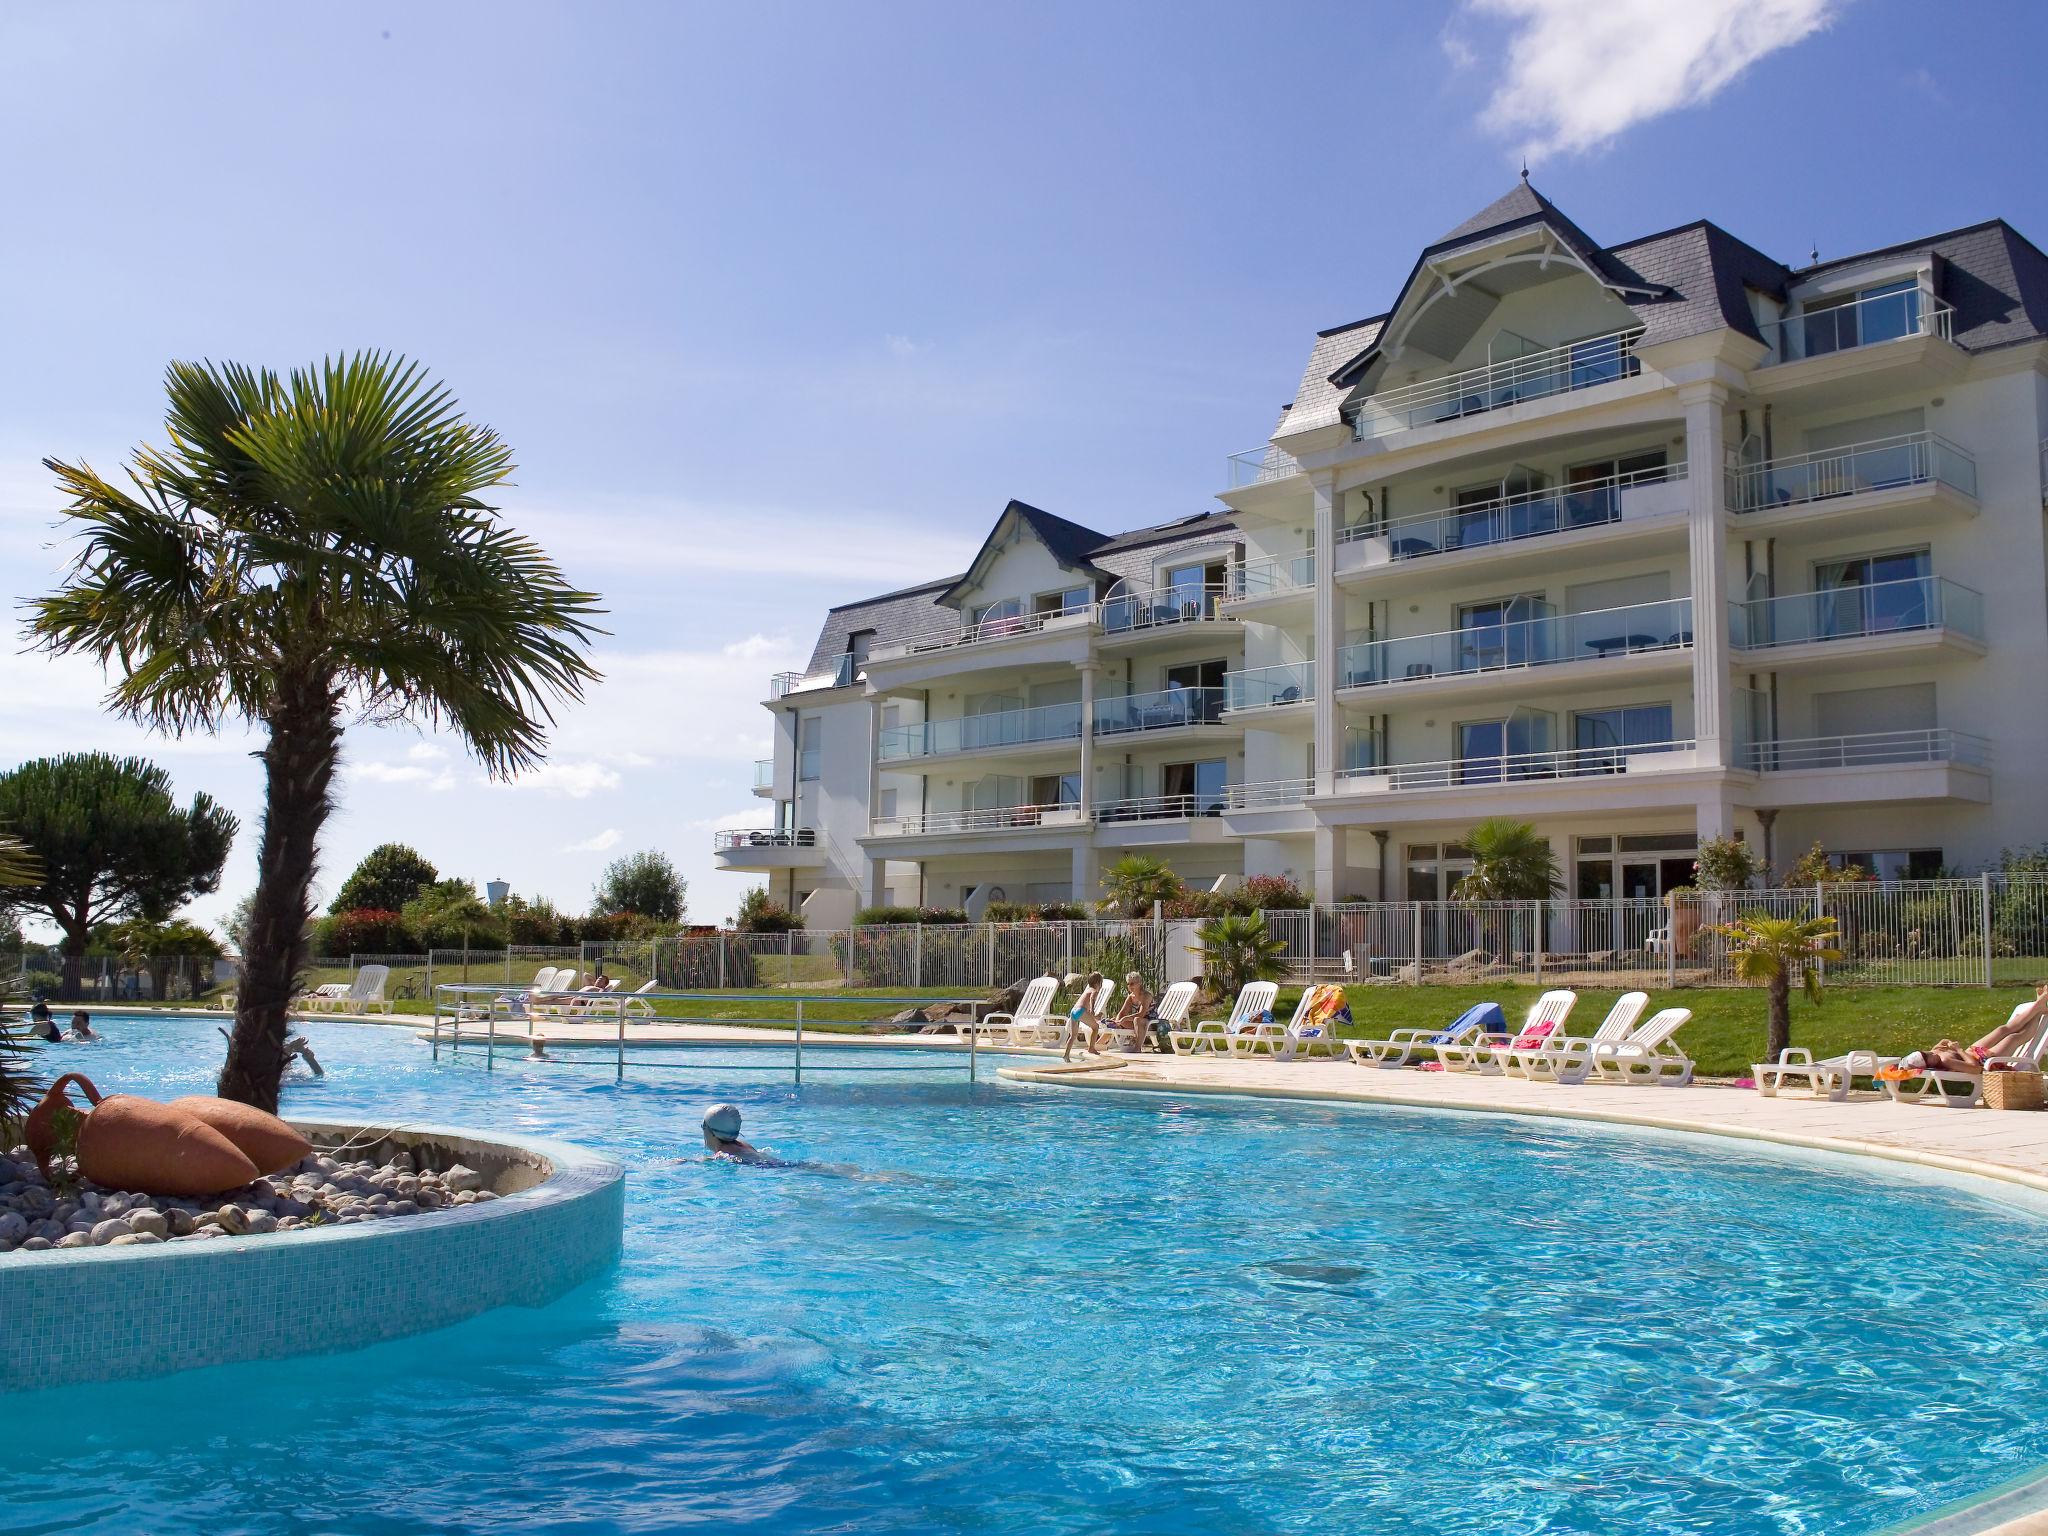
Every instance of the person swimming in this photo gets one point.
(721, 1128)
(41, 1025)
(81, 1026)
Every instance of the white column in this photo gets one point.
(877, 883)
(1324, 643)
(874, 759)
(1330, 850)
(1087, 670)
(1705, 404)
(1085, 877)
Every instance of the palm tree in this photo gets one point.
(1134, 882)
(1773, 950)
(1238, 948)
(1509, 863)
(307, 549)
(19, 1088)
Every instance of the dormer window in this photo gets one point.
(1861, 318)
(1069, 600)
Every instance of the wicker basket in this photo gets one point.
(2012, 1090)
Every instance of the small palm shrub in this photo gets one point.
(1776, 951)
(1238, 949)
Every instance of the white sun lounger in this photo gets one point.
(1831, 1077)
(1937, 1086)
(1400, 1047)
(321, 998)
(1297, 1037)
(1020, 1026)
(1483, 1053)
(1171, 1011)
(1566, 1059)
(1648, 1055)
(365, 994)
(1212, 1036)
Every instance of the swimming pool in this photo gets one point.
(1001, 1308)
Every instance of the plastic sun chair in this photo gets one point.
(1545, 1018)
(1933, 1085)
(1400, 1047)
(1262, 1038)
(366, 992)
(1212, 1036)
(1023, 1024)
(1565, 1059)
(1169, 1011)
(1309, 1035)
(1646, 1056)
(1831, 1077)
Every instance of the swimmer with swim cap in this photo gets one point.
(722, 1135)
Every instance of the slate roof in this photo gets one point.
(1067, 542)
(1697, 279)
(910, 612)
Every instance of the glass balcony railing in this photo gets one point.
(1256, 466)
(1527, 515)
(1271, 577)
(1868, 749)
(1512, 768)
(764, 773)
(1848, 613)
(834, 672)
(1126, 612)
(1864, 322)
(974, 733)
(1916, 458)
(1270, 687)
(1159, 711)
(1538, 640)
(1513, 381)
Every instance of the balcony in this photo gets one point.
(837, 672)
(1258, 466)
(1515, 768)
(1160, 808)
(1002, 818)
(1879, 619)
(1652, 501)
(1939, 745)
(764, 776)
(1873, 768)
(1542, 639)
(1865, 322)
(1279, 577)
(767, 848)
(1169, 611)
(1267, 795)
(1270, 687)
(1168, 709)
(1878, 484)
(1476, 391)
(1047, 724)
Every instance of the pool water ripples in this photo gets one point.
(997, 1308)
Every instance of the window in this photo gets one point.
(1056, 789)
(858, 644)
(1192, 589)
(885, 805)
(1497, 634)
(1071, 600)
(1623, 727)
(1892, 863)
(1861, 319)
(997, 618)
(1480, 744)
(1200, 784)
(1600, 360)
(1872, 594)
(1195, 689)
(809, 747)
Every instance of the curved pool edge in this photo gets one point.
(107, 1314)
(2016, 1507)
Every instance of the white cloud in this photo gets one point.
(735, 821)
(608, 838)
(1577, 75)
(427, 752)
(436, 779)
(903, 346)
(576, 780)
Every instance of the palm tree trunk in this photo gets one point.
(1781, 1016)
(298, 767)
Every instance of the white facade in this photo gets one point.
(1540, 542)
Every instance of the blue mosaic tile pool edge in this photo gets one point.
(153, 1309)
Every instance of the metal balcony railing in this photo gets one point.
(1869, 748)
(1847, 613)
(1272, 576)
(1163, 710)
(987, 819)
(835, 672)
(1474, 391)
(1861, 323)
(1160, 807)
(1526, 515)
(1256, 466)
(1540, 640)
(1157, 606)
(1270, 687)
(1267, 794)
(973, 733)
(1511, 768)
(1914, 458)
(765, 837)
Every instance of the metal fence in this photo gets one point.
(101, 980)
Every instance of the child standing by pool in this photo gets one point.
(1082, 1013)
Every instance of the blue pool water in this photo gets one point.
(994, 1308)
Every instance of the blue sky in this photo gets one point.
(779, 304)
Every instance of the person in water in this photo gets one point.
(41, 1025)
(722, 1135)
(2015, 1032)
(81, 1026)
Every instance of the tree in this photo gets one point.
(19, 1088)
(1134, 882)
(142, 944)
(450, 915)
(1238, 949)
(1726, 864)
(110, 843)
(1813, 868)
(389, 876)
(1510, 862)
(761, 913)
(645, 884)
(308, 548)
(1775, 950)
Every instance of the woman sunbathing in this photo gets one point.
(1136, 1013)
(2015, 1032)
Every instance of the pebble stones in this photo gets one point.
(317, 1191)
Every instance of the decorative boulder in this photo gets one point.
(262, 1138)
(125, 1142)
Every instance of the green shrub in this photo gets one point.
(1036, 912)
(871, 917)
(1118, 954)
(367, 931)
(761, 913)
(1270, 893)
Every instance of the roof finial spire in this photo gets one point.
(1525, 167)
(1813, 256)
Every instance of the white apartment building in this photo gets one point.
(1643, 543)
